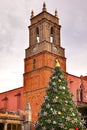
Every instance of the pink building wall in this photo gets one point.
(12, 100)
(78, 87)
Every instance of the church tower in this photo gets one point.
(44, 48)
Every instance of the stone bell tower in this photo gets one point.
(44, 48)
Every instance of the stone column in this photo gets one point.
(5, 126)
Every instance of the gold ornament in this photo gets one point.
(73, 121)
(59, 80)
(57, 63)
(59, 113)
(57, 97)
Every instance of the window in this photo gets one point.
(34, 64)
(13, 126)
(51, 39)
(18, 100)
(81, 92)
(5, 99)
(51, 35)
(9, 127)
(37, 35)
(81, 95)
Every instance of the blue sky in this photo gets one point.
(14, 22)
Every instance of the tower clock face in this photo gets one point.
(34, 49)
(55, 49)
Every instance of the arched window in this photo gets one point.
(81, 92)
(51, 35)
(37, 35)
(81, 95)
(34, 64)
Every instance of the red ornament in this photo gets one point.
(76, 128)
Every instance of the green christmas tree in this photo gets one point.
(58, 112)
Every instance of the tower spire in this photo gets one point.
(32, 14)
(44, 7)
(56, 13)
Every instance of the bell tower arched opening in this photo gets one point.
(37, 35)
(51, 35)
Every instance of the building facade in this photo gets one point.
(40, 57)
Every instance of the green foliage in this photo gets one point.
(58, 110)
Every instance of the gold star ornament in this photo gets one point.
(57, 63)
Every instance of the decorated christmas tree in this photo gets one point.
(58, 112)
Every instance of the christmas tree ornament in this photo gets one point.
(48, 105)
(63, 117)
(68, 118)
(44, 128)
(54, 122)
(80, 123)
(61, 125)
(60, 101)
(61, 76)
(63, 109)
(71, 109)
(70, 102)
(56, 77)
(73, 114)
(57, 97)
(53, 77)
(53, 83)
(46, 97)
(63, 87)
(39, 114)
(51, 109)
(76, 128)
(79, 114)
(45, 113)
(48, 121)
(73, 121)
(60, 87)
(59, 80)
(66, 101)
(55, 112)
(59, 113)
(54, 100)
(55, 89)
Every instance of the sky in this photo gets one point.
(14, 39)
